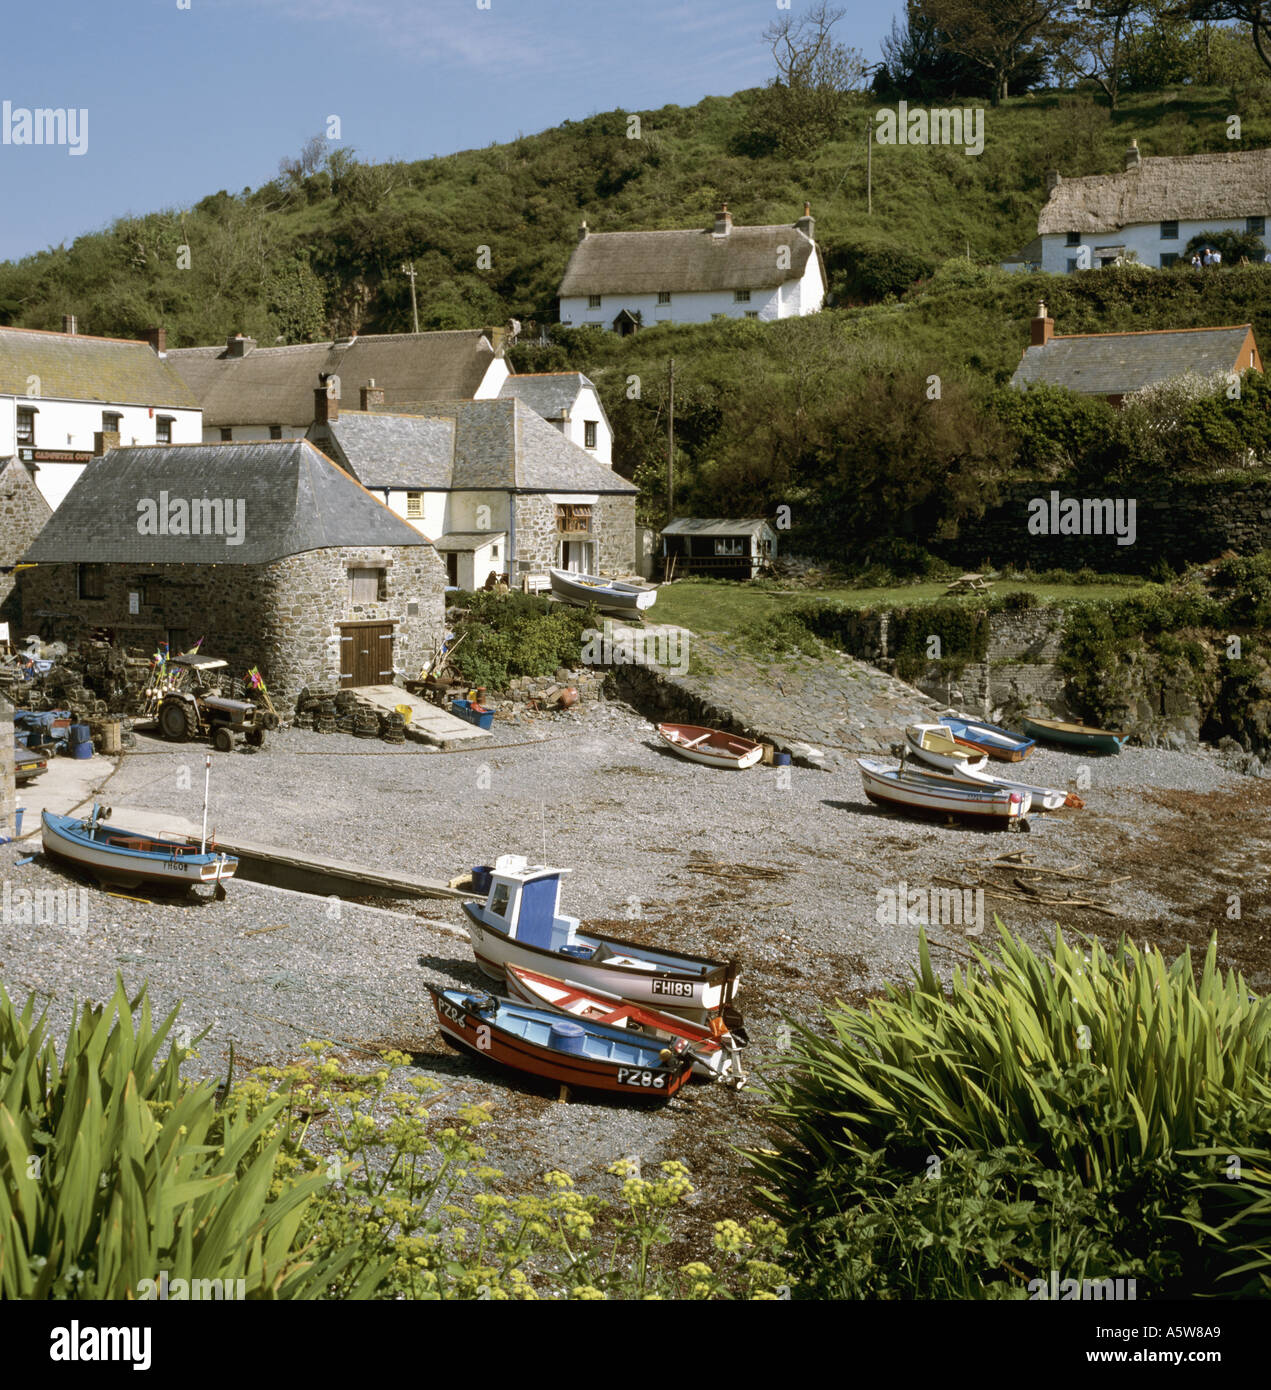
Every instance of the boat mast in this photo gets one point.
(207, 778)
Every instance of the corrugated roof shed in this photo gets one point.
(293, 500)
(748, 258)
(1114, 364)
(1186, 188)
(275, 385)
(73, 366)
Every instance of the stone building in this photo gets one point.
(496, 487)
(23, 512)
(269, 552)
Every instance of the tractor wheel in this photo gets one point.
(256, 737)
(223, 740)
(177, 720)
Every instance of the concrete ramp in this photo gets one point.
(429, 723)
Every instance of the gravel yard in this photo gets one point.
(779, 867)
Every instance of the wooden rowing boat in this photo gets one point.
(520, 924)
(130, 858)
(544, 1043)
(997, 743)
(592, 589)
(713, 747)
(935, 746)
(712, 1048)
(942, 797)
(1076, 735)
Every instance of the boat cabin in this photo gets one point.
(524, 903)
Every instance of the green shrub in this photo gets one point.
(1064, 1111)
(515, 634)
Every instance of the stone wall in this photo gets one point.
(23, 512)
(282, 617)
(1183, 523)
(613, 529)
(8, 790)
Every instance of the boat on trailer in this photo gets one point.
(901, 790)
(520, 923)
(713, 747)
(996, 742)
(131, 858)
(544, 1043)
(593, 589)
(715, 1052)
(1076, 735)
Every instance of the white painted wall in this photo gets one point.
(588, 407)
(250, 434)
(1143, 238)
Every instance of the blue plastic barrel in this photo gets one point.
(81, 733)
(781, 760)
(568, 1037)
(481, 878)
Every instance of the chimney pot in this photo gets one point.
(1053, 179)
(583, 233)
(807, 222)
(1043, 327)
(69, 324)
(1132, 155)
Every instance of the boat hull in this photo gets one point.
(999, 744)
(590, 590)
(713, 747)
(1041, 798)
(108, 861)
(949, 758)
(1076, 735)
(634, 1073)
(940, 797)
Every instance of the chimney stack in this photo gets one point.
(1053, 179)
(807, 222)
(69, 324)
(1132, 156)
(238, 346)
(583, 233)
(1043, 327)
(326, 403)
(723, 221)
(157, 338)
(372, 395)
(498, 340)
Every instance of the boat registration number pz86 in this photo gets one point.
(634, 1076)
(451, 1011)
(680, 989)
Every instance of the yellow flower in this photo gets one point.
(695, 1269)
(588, 1292)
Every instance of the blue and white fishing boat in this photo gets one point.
(520, 924)
(130, 858)
(989, 738)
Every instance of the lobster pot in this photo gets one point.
(568, 1037)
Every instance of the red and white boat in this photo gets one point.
(715, 1051)
(942, 797)
(713, 747)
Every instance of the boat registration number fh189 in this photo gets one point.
(634, 1076)
(680, 989)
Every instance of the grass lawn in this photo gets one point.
(716, 605)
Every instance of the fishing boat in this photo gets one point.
(990, 739)
(592, 589)
(131, 858)
(1076, 735)
(710, 746)
(936, 796)
(544, 1043)
(520, 924)
(935, 746)
(1043, 798)
(714, 1051)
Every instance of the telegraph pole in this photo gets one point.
(670, 439)
(409, 270)
(869, 169)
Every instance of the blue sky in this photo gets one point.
(182, 102)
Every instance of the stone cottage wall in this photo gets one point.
(23, 512)
(613, 528)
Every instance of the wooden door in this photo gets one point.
(366, 654)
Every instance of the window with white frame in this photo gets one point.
(593, 301)
(741, 296)
(589, 434)
(730, 545)
(26, 426)
(414, 505)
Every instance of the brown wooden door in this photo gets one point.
(366, 654)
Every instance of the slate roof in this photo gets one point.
(74, 366)
(694, 526)
(275, 385)
(294, 500)
(551, 394)
(1187, 188)
(495, 445)
(1114, 364)
(467, 540)
(696, 260)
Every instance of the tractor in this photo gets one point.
(196, 709)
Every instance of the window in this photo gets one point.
(664, 296)
(573, 518)
(730, 546)
(1073, 264)
(1168, 258)
(275, 431)
(752, 313)
(111, 422)
(1169, 231)
(92, 581)
(365, 585)
(414, 504)
(227, 435)
(163, 429)
(741, 296)
(152, 593)
(593, 301)
(499, 903)
(589, 434)
(1256, 226)
(26, 426)
(1074, 238)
